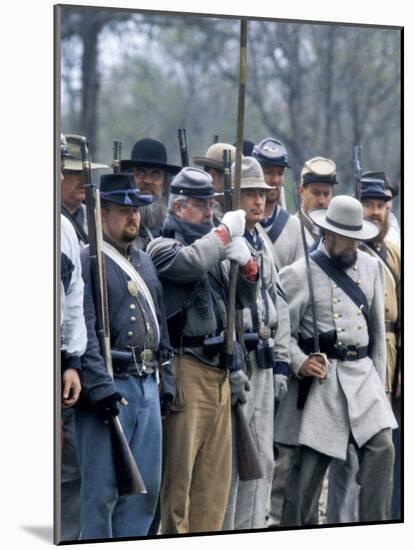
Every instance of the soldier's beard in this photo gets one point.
(344, 260)
(154, 214)
(129, 234)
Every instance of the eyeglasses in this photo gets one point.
(200, 204)
(143, 173)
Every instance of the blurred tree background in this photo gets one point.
(320, 88)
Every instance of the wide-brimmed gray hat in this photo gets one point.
(251, 175)
(214, 156)
(344, 216)
(74, 160)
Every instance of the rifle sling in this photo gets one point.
(80, 232)
(278, 225)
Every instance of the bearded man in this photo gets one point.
(342, 505)
(345, 401)
(152, 172)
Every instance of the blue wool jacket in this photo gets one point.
(126, 327)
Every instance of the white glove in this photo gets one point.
(235, 221)
(239, 385)
(280, 385)
(238, 251)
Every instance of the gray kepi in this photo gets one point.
(344, 217)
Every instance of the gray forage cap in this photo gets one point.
(193, 182)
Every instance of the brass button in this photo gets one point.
(359, 312)
(339, 329)
(340, 343)
(334, 285)
(132, 306)
(354, 267)
(130, 333)
(337, 315)
(133, 319)
(360, 327)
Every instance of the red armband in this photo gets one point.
(250, 270)
(223, 234)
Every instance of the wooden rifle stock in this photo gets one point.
(182, 141)
(248, 461)
(128, 477)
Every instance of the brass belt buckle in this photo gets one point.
(146, 358)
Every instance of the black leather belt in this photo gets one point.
(125, 364)
(391, 326)
(348, 353)
(328, 345)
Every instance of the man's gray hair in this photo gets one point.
(173, 198)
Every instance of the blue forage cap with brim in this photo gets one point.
(388, 184)
(373, 188)
(271, 152)
(193, 182)
(121, 189)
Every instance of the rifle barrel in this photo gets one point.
(128, 477)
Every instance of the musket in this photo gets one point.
(357, 164)
(247, 456)
(306, 382)
(116, 163)
(128, 477)
(248, 461)
(182, 141)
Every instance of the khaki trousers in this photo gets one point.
(197, 465)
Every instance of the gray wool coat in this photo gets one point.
(288, 246)
(352, 398)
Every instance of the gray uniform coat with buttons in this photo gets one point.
(352, 398)
(182, 268)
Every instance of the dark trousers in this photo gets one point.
(70, 479)
(376, 460)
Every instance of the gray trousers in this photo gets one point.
(376, 460)
(284, 461)
(247, 501)
(343, 489)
